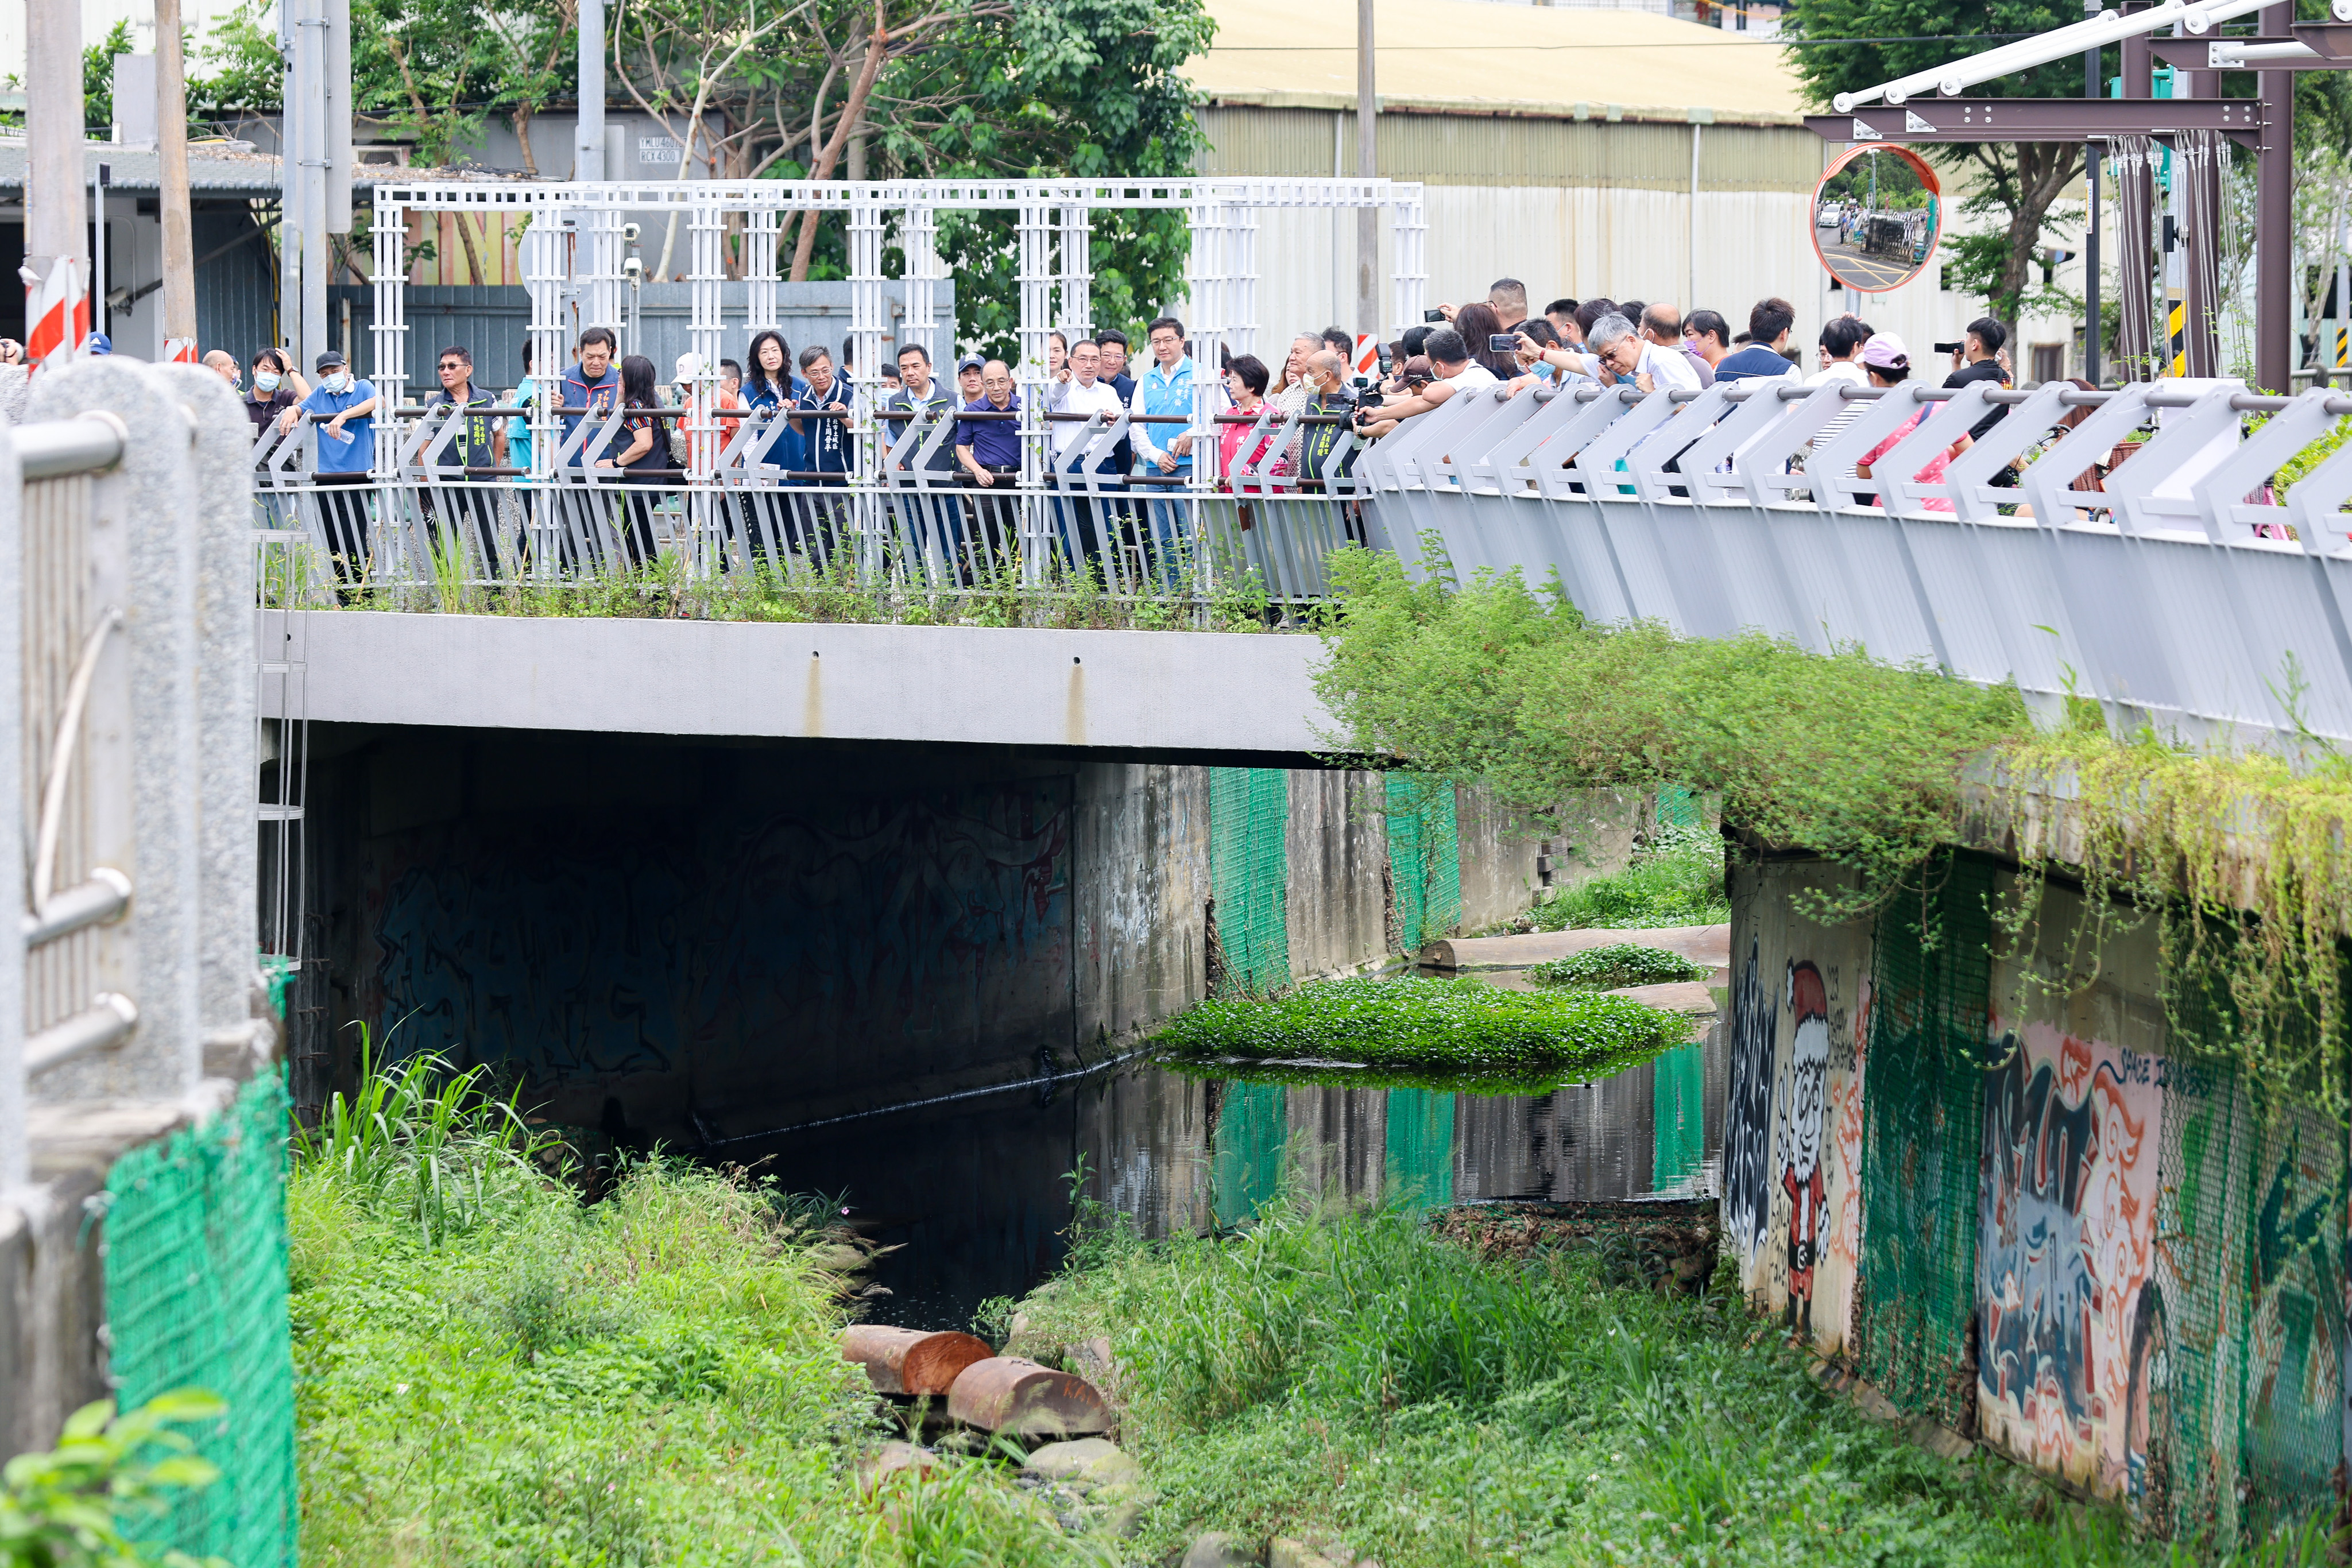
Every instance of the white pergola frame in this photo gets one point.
(573, 248)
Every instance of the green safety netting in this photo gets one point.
(1245, 1160)
(2241, 1322)
(1249, 876)
(1923, 1127)
(1679, 807)
(1424, 858)
(1678, 1117)
(196, 1297)
(1418, 1169)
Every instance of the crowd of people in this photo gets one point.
(1295, 427)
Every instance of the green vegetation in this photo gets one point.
(1492, 680)
(1676, 879)
(1618, 965)
(662, 589)
(524, 1378)
(64, 1509)
(1356, 1374)
(1449, 1026)
(1874, 767)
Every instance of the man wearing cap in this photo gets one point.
(1888, 364)
(967, 375)
(343, 408)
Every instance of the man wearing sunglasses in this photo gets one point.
(477, 442)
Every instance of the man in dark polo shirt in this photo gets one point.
(989, 452)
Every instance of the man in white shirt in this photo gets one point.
(1629, 356)
(1449, 355)
(1841, 342)
(1086, 392)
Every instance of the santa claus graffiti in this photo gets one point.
(1802, 1179)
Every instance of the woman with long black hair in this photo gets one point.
(645, 458)
(769, 389)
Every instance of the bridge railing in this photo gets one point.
(126, 744)
(885, 503)
(2126, 546)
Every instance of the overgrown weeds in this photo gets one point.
(508, 1376)
(842, 590)
(1350, 1373)
(1673, 879)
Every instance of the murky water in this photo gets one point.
(976, 1192)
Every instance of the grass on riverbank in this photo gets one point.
(1354, 1374)
(1677, 879)
(1432, 1025)
(526, 1379)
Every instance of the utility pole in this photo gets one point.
(588, 135)
(55, 271)
(1368, 164)
(2274, 291)
(171, 158)
(291, 223)
(2093, 87)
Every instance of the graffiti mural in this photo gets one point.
(1839, 1265)
(1798, 1105)
(2068, 1222)
(1748, 1115)
(751, 953)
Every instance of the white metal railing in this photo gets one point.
(2123, 546)
(729, 497)
(126, 748)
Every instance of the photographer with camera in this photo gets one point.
(1450, 368)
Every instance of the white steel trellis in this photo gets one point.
(577, 261)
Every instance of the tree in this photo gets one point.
(2014, 183)
(1083, 88)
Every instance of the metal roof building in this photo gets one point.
(1586, 152)
(233, 195)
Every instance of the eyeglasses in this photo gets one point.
(452, 365)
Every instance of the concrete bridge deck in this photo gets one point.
(1165, 693)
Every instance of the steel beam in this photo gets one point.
(2040, 119)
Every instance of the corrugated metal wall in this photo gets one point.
(1496, 150)
(237, 292)
(1573, 208)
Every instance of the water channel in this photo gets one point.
(974, 1191)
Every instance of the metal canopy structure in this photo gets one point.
(2129, 124)
(2044, 120)
(573, 254)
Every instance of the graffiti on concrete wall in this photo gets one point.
(2068, 1222)
(1841, 1264)
(1748, 1115)
(732, 945)
(1803, 1176)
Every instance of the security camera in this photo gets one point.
(629, 233)
(633, 269)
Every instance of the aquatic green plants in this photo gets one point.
(1418, 1022)
(1619, 964)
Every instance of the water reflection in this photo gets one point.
(976, 1194)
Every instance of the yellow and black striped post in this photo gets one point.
(2176, 326)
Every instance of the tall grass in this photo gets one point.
(1677, 879)
(424, 1142)
(1351, 1372)
(493, 1373)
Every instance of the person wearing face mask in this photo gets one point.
(341, 409)
(222, 363)
(275, 388)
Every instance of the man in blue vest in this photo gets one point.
(1163, 433)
